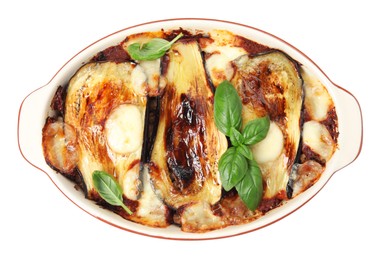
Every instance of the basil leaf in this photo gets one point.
(236, 137)
(152, 50)
(256, 130)
(237, 166)
(109, 189)
(232, 166)
(250, 188)
(245, 151)
(227, 108)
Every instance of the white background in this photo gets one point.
(38, 222)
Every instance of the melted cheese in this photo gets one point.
(221, 52)
(124, 134)
(60, 145)
(120, 140)
(271, 147)
(124, 128)
(151, 210)
(131, 182)
(199, 216)
(318, 138)
(317, 99)
(138, 80)
(152, 69)
(219, 63)
(305, 176)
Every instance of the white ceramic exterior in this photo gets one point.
(34, 109)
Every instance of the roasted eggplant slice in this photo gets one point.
(183, 166)
(105, 103)
(270, 84)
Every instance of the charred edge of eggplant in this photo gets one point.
(297, 160)
(75, 176)
(165, 60)
(79, 180)
(295, 62)
(149, 132)
(207, 74)
(152, 114)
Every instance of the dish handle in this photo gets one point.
(30, 124)
(350, 126)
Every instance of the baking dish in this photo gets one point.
(35, 107)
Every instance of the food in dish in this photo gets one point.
(150, 124)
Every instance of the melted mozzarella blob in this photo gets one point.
(219, 63)
(152, 70)
(131, 183)
(317, 99)
(318, 138)
(271, 147)
(222, 51)
(124, 129)
(151, 209)
(138, 79)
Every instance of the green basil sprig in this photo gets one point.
(227, 108)
(152, 50)
(256, 130)
(232, 166)
(250, 188)
(237, 166)
(109, 189)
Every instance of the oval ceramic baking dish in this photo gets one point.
(34, 108)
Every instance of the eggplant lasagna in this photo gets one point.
(150, 124)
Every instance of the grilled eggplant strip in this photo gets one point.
(151, 126)
(183, 166)
(93, 93)
(270, 84)
(106, 104)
